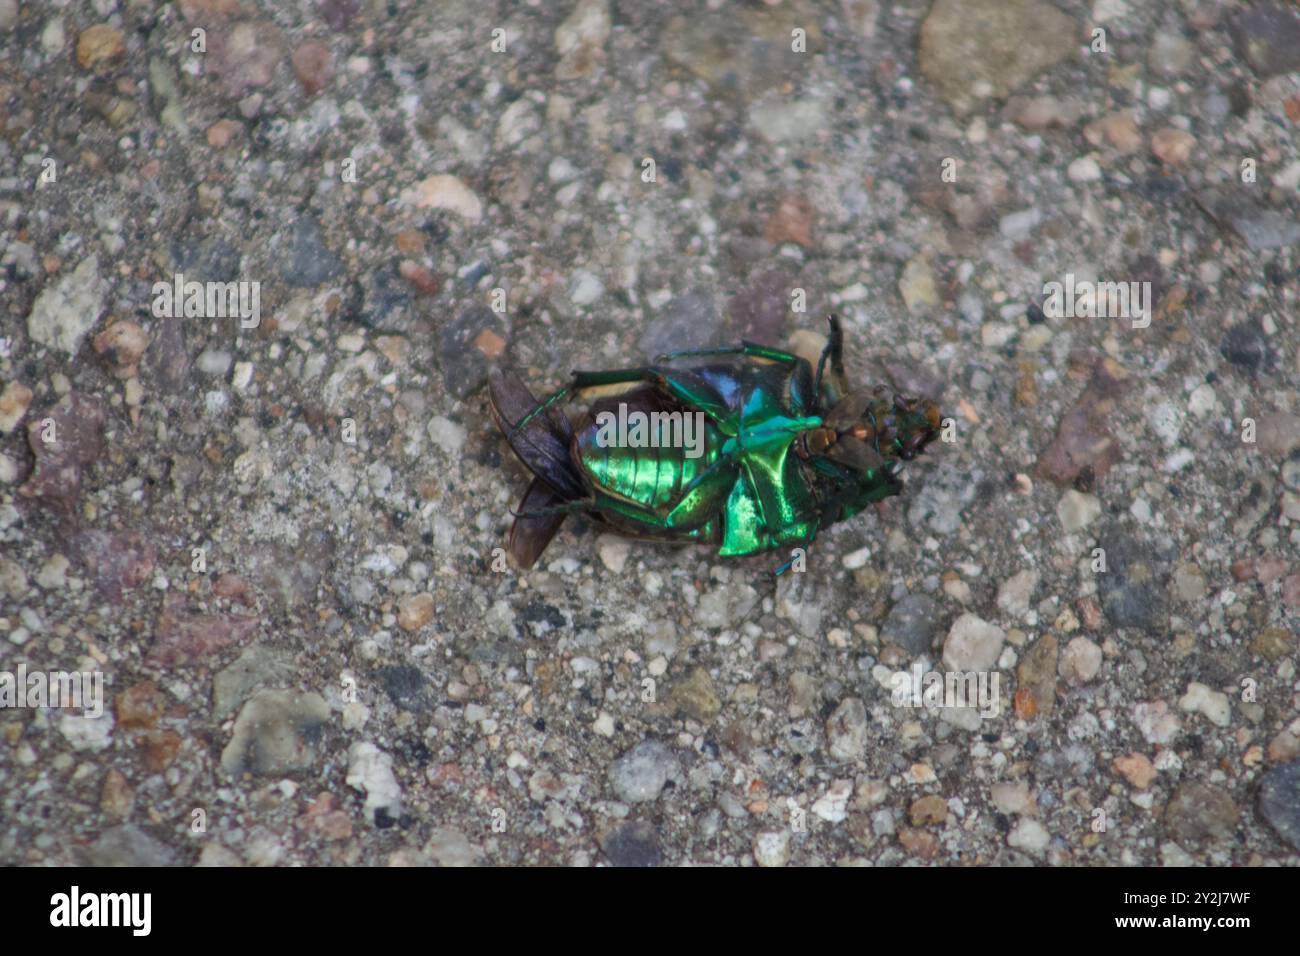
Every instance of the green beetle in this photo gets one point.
(744, 448)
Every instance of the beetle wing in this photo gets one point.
(534, 527)
(543, 446)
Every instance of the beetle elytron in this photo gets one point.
(785, 451)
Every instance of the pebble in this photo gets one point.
(1085, 169)
(53, 36)
(8, 14)
(448, 847)
(635, 843)
(724, 605)
(696, 697)
(1155, 722)
(758, 313)
(275, 733)
(1203, 401)
(389, 305)
(613, 551)
(140, 706)
(1204, 700)
(1016, 592)
(1279, 801)
(78, 431)
(182, 637)
(972, 644)
(306, 262)
(791, 221)
(339, 13)
(312, 64)
(1080, 661)
(223, 132)
(14, 402)
(1029, 835)
(214, 362)
(772, 848)
(832, 806)
(1043, 112)
(259, 665)
(128, 845)
(1018, 225)
(1172, 145)
(99, 44)
(53, 575)
(1198, 813)
(1258, 226)
(1010, 796)
(580, 39)
(445, 192)
(463, 363)
(917, 286)
(1189, 582)
(585, 288)
(1136, 769)
(912, 623)
(846, 730)
(86, 733)
(1117, 130)
(789, 121)
(122, 345)
(928, 811)
(405, 686)
(1268, 38)
(1083, 439)
(939, 504)
(68, 308)
(414, 611)
(973, 50)
(1036, 676)
(1076, 510)
(370, 770)
(243, 55)
(116, 797)
(640, 774)
(1132, 589)
(1170, 54)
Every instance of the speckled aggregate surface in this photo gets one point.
(278, 542)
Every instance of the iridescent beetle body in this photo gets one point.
(782, 451)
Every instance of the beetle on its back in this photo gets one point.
(779, 451)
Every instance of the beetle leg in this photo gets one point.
(538, 409)
(744, 348)
(692, 509)
(834, 351)
(580, 381)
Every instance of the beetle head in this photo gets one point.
(871, 427)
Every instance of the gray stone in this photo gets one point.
(641, 774)
(69, 308)
(307, 262)
(973, 50)
(1279, 801)
(633, 844)
(912, 623)
(259, 665)
(275, 733)
(128, 845)
(846, 730)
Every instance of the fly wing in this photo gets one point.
(542, 445)
(534, 526)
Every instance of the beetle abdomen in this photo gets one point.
(643, 449)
